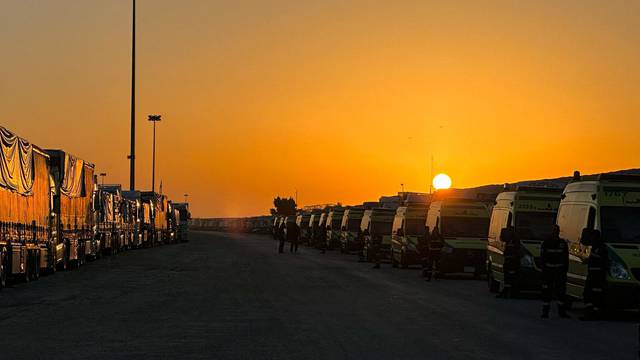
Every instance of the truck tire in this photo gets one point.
(3, 271)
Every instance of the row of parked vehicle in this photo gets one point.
(54, 215)
(471, 231)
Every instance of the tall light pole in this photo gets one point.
(132, 153)
(103, 175)
(402, 187)
(185, 198)
(154, 119)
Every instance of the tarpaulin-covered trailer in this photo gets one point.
(73, 208)
(25, 207)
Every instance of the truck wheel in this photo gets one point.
(36, 268)
(3, 270)
(492, 284)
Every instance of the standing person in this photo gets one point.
(376, 244)
(423, 252)
(511, 266)
(361, 241)
(281, 237)
(595, 286)
(293, 235)
(554, 256)
(323, 240)
(434, 251)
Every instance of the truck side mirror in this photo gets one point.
(586, 236)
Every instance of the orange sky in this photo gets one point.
(342, 100)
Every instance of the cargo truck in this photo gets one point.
(26, 233)
(72, 208)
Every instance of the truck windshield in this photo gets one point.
(354, 224)
(532, 225)
(381, 227)
(620, 224)
(415, 227)
(463, 226)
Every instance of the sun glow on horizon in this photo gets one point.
(441, 181)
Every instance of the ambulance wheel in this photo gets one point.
(492, 284)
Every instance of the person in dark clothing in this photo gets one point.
(293, 235)
(281, 237)
(595, 286)
(511, 266)
(376, 245)
(361, 240)
(554, 257)
(423, 251)
(323, 240)
(434, 252)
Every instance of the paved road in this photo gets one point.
(230, 296)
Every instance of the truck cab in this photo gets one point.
(350, 236)
(376, 225)
(408, 227)
(610, 204)
(531, 212)
(462, 225)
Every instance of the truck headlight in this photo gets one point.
(618, 271)
(526, 261)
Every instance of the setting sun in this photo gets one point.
(441, 181)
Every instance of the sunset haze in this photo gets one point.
(340, 100)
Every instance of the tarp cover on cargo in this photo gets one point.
(73, 177)
(16, 163)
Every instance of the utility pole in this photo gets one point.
(431, 177)
(154, 119)
(132, 153)
(103, 175)
(185, 198)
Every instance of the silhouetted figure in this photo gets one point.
(376, 245)
(323, 240)
(293, 235)
(434, 253)
(281, 237)
(511, 266)
(554, 257)
(595, 286)
(361, 242)
(423, 252)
